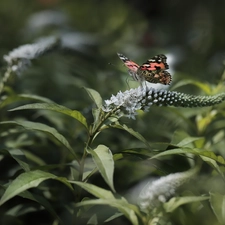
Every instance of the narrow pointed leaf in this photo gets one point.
(217, 202)
(174, 203)
(93, 220)
(28, 180)
(205, 87)
(116, 215)
(94, 190)
(206, 156)
(19, 156)
(213, 163)
(95, 96)
(96, 114)
(42, 201)
(44, 128)
(103, 159)
(117, 203)
(15, 98)
(188, 140)
(199, 152)
(57, 108)
(132, 132)
(35, 97)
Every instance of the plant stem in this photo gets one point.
(5, 78)
(94, 131)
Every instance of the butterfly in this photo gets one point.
(153, 70)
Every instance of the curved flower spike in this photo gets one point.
(20, 58)
(128, 102)
(160, 190)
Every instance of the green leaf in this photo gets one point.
(132, 132)
(93, 220)
(188, 140)
(29, 180)
(103, 159)
(107, 198)
(94, 190)
(35, 97)
(205, 87)
(122, 206)
(15, 98)
(206, 156)
(196, 151)
(96, 114)
(19, 156)
(42, 201)
(181, 139)
(95, 96)
(217, 202)
(213, 163)
(178, 136)
(175, 202)
(202, 122)
(135, 151)
(211, 155)
(34, 158)
(57, 108)
(44, 128)
(116, 215)
(175, 151)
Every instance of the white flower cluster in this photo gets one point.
(141, 98)
(20, 58)
(160, 190)
(129, 102)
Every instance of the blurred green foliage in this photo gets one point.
(190, 33)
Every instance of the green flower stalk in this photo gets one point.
(142, 98)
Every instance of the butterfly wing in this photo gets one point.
(157, 63)
(162, 77)
(132, 66)
(128, 63)
(153, 70)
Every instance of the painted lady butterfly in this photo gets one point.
(153, 70)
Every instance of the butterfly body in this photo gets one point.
(153, 70)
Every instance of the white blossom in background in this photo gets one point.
(160, 190)
(77, 41)
(44, 19)
(58, 22)
(20, 58)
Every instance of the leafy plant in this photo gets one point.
(72, 186)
